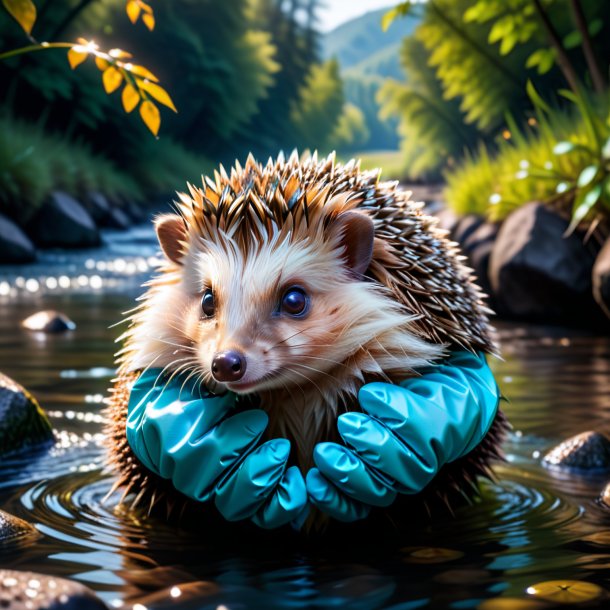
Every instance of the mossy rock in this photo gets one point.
(23, 424)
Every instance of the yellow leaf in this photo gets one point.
(23, 11)
(145, 7)
(133, 10)
(142, 71)
(119, 54)
(129, 97)
(75, 58)
(112, 79)
(151, 116)
(149, 21)
(101, 63)
(159, 93)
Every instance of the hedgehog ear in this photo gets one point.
(171, 231)
(357, 237)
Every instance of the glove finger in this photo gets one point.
(435, 419)
(196, 466)
(244, 491)
(286, 502)
(331, 501)
(382, 450)
(344, 469)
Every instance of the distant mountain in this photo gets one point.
(362, 44)
(367, 56)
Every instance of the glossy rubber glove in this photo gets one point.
(406, 433)
(181, 432)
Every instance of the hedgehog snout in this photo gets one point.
(229, 365)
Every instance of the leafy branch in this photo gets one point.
(141, 86)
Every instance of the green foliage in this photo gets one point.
(350, 131)
(485, 83)
(432, 129)
(561, 159)
(318, 107)
(33, 163)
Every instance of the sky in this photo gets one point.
(334, 12)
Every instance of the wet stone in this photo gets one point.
(48, 321)
(23, 424)
(586, 451)
(605, 500)
(21, 590)
(12, 528)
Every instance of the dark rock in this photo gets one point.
(62, 221)
(117, 219)
(465, 227)
(14, 529)
(15, 246)
(478, 248)
(48, 321)
(98, 207)
(586, 451)
(23, 424)
(536, 273)
(601, 278)
(20, 590)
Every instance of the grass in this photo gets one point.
(33, 163)
(523, 169)
(391, 162)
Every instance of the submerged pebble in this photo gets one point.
(12, 528)
(605, 499)
(586, 451)
(20, 590)
(48, 321)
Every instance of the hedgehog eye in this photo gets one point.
(295, 301)
(207, 303)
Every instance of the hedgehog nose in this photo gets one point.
(228, 366)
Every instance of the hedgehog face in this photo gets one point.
(263, 315)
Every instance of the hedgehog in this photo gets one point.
(292, 284)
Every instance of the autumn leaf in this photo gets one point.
(145, 7)
(133, 10)
(129, 97)
(119, 54)
(23, 11)
(149, 21)
(75, 58)
(141, 71)
(101, 63)
(159, 93)
(151, 116)
(112, 79)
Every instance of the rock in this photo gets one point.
(605, 496)
(15, 246)
(23, 424)
(586, 451)
(21, 590)
(48, 321)
(62, 221)
(536, 273)
(478, 248)
(98, 207)
(465, 227)
(601, 278)
(12, 528)
(117, 219)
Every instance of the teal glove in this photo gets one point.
(405, 435)
(183, 433)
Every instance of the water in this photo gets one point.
(532, 525)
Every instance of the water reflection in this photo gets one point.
(530, 526)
